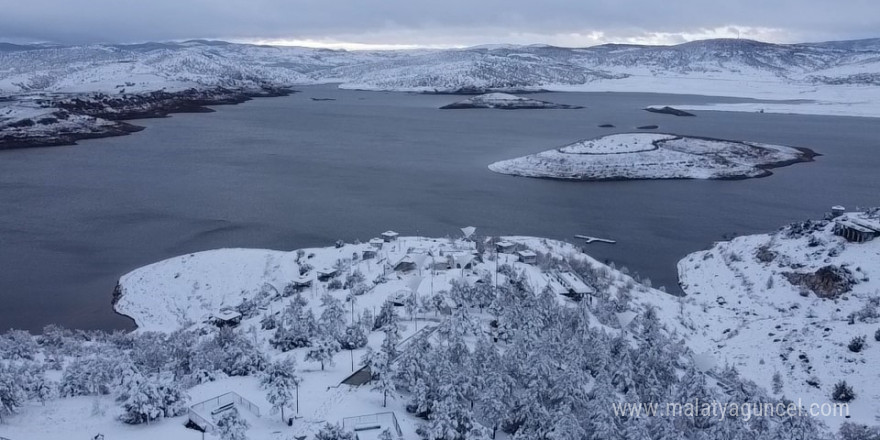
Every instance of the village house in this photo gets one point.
(389, 236)
(505, 247)
(527, 257)
(226, 318)
(327, 274)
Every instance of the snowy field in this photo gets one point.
(652, 156)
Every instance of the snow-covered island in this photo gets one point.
(796, 310)
(654, 156)
(506, 101)
(425, 338)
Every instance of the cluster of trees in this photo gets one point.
(541, 370)
(147, 373)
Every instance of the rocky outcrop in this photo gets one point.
(826, 282)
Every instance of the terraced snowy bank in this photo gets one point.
(654, 156)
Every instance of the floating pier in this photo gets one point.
(590, 239)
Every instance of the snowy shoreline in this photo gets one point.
(640, 156)
(50, 120)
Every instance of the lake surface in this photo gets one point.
(285, 173)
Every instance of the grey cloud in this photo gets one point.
(422, 22)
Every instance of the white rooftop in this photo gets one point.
(227, 315)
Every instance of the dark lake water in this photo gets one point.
(290, 172)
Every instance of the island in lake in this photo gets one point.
(654, 156)
(506, 101)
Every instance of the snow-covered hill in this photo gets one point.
(155, 65)
(792, 302)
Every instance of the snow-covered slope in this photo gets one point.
(653, 156)
(791, 302)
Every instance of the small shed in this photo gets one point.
(369, 254)
(405, 264)
(226, 318)
(505, 247)
(442, 263)
(389, 236)
(327, 274)
(377, 243)
(837, 210)
(527, 257)
(577, 288)
(301, 283)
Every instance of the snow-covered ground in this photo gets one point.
(743, 308)
(182, 292)
(505, 101)
(653, 156)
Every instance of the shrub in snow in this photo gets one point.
(89, 376)
(354, 278)
(777, 383)
(877, 335)
(334, 284)
(305, 268)
(230, 353)
(856, 344)
(12, 394)
(333, 432)
(231, 426)
(842, 392)
(853, 431)
(17, 345)
(353, 338)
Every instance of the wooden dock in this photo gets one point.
(590, 239)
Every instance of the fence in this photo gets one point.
(372, 421)
(198, 411)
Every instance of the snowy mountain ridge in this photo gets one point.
(171, 65)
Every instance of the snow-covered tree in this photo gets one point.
(231, 425)
(144, 403)
(333, 432)
(297, 327)
(279, 380)
(332, 320)
(12, 394)
(17, 345)
(387, 317)
(353, 338)
(323, 352)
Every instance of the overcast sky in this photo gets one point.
(447, 23)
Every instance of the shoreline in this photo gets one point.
(104, 116)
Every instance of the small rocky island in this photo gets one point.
(654, 156)
(506, 101)
(667, 110)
